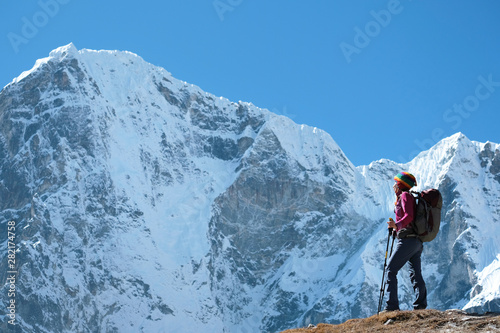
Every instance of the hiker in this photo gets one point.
(408, 247)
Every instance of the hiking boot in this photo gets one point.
(420, 308)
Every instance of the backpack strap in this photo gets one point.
(416, 196)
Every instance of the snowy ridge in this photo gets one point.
(149, 205)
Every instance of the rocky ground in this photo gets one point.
(413, 321)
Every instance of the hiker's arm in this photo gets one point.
(408, 206)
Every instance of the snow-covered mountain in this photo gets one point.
(144, 204)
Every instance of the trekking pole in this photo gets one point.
(382, 284)
(390, 255)
(392, 244)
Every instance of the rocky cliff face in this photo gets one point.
(143, 204)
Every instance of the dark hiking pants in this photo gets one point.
(407, 250)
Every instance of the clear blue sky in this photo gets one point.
(385, 79)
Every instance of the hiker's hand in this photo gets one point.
(391, 224)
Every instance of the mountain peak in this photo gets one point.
(100, 57)
(62, 51)
(59, 53)
(458, 138)
(454, 140)
(445, 146)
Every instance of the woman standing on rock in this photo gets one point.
(408, 247)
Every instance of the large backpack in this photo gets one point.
(427, 214)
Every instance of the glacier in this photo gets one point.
(144, 204)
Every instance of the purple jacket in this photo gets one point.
(405, 210)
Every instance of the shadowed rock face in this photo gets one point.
(130, 187)
(61, 199)
(56, 183)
